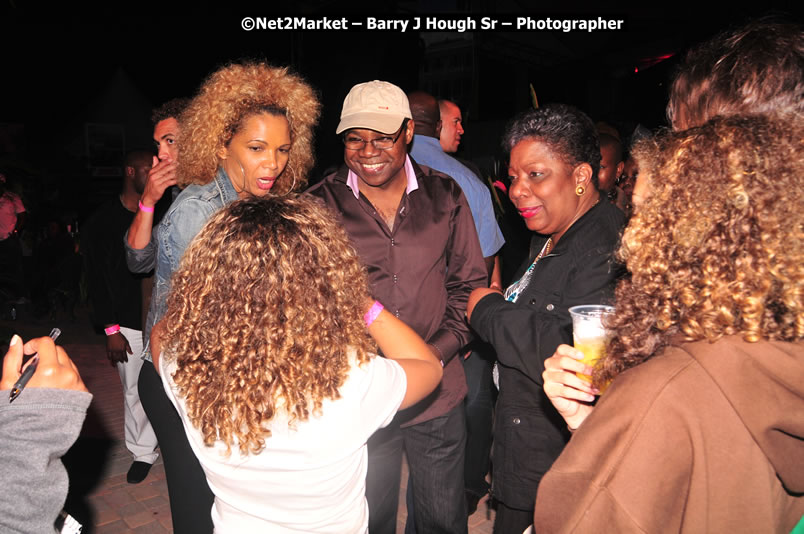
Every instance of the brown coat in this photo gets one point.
(703, 438)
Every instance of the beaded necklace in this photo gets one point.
(515, 289)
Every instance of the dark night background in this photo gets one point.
(78, 86)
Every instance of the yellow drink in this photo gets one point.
(589, 333)
(593, 349)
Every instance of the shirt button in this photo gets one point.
(516, 420)
(532, 301)
(550, 307)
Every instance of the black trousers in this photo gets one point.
(190, 497)
(479, 404)
(435, 452)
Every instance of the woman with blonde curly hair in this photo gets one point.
(701, 429)
(273, 371)
(248, 132)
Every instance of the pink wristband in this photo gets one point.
(115, 328)
(146, 209)
(373, 312)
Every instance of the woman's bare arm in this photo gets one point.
(400, 343)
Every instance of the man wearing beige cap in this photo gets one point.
(414, 231)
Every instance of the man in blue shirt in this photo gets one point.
(427, 149)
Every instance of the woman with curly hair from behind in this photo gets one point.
(248, 132)
(273, 371)
(702, 428)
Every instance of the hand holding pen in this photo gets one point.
(54, 368)
(28, 372)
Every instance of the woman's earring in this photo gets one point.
(580, 190)
(290, 190)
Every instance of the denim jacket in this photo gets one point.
(182, 222)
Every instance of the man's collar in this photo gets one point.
(353, 180)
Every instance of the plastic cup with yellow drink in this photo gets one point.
(588, 333)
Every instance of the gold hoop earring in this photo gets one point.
(290, 190)
(243, 172)
(580, 190)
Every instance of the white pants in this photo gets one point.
(140, 437)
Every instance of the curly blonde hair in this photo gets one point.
(265, 315)
(717, 247)
(226, 99)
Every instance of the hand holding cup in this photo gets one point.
(569, 394)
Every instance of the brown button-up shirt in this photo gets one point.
(423, 270)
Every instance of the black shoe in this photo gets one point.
(137, 472)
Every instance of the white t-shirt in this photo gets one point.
(308, 479)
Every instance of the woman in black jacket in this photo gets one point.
(554, 161)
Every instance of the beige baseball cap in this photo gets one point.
(379, 106)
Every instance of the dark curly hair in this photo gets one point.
(758, 68)
(718, 247)
(233, 94)
(265, 318)
(568, 131)
(170, 109)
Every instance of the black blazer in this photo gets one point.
(528, 433)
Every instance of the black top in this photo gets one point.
(114, 291)
(529, 433)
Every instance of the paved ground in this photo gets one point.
(99, 495)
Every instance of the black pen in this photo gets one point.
(29, 371)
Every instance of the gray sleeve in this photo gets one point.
(141, 260)
(35, 431)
